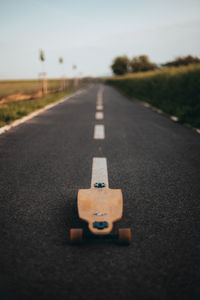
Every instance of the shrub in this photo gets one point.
(174, 90)
(141, 64)
(120, 65)
(182, 61)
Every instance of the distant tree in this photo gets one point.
(42, 56)
(141, 64)
(182, 61)
(60, 60)
(120, 65)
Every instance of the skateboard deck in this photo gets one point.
(100, 207)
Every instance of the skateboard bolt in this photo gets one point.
(99, 185)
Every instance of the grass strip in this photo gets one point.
(15, 110)
(8, 87)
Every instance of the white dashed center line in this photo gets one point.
(100, 96)
(99, 107)
(99, 115)
(99, 132)
(99, 171)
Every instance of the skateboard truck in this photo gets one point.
(100, 207)
(100, 225)
(99, 185)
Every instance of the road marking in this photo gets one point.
(99, 101)
(99, 115)
(99, 171)
(99, 132)
(100, 95)
(174, 118)
(99, 107)
(147, 104)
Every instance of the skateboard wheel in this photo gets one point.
(76, 236)
(124, 236)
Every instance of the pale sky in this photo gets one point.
(90, 33)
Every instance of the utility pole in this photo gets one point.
(74, 67)
(62, 82)
(44, 74)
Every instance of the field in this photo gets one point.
(15, 110)
(8, 87)
(175, 90)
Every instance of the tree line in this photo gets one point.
(122, 64)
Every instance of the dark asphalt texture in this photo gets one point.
(43, 163)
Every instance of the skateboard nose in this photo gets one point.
(100, 225)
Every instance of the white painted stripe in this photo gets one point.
(99, 132)
(99, 102)
(197, 130)
(100, 95)
(147, 104)
(99, 107)
(99, 115)
(36, 113)
(174, 118)
(99, 171)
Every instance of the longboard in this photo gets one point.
(100, 207)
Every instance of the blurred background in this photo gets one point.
(44, 44)
(91, 33)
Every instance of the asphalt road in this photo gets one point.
(43, 163)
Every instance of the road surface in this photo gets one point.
(43, 163)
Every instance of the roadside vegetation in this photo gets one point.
(15, 110)
(175, 90)
(122, 65)
(8, 87)
(19, 98)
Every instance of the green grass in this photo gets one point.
(8, 87)
(15, 110)
(175, 90)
